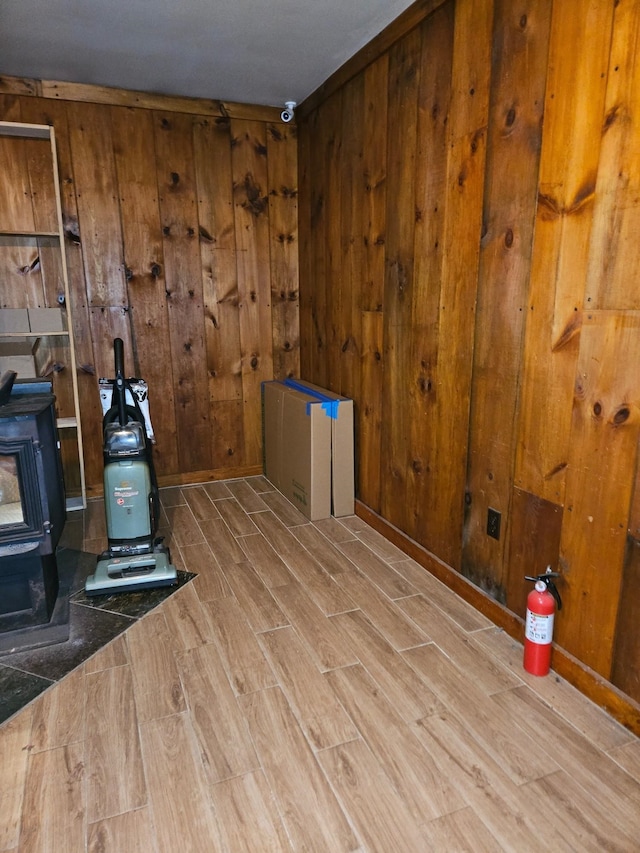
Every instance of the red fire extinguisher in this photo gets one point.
(541, 608)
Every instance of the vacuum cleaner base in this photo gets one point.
(128, 574)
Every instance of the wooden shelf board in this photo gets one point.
(31, 131)
(32, 234)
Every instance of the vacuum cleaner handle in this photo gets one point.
(119, 389)
(118, 355)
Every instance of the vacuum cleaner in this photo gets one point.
(135, 559)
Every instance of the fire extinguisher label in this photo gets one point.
(539, 628)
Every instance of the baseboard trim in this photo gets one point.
(588, 682)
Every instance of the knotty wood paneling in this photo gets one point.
(149, 356)
(173, 136)
(404, 80)
(615, 247)
(434, 97)
(181, 224)
(605, 424)
(569, 160)
(468, 218)
(251, 213)
(467, 121)
(499, 309)
(348, 335)
(518, 77)
(283, 241)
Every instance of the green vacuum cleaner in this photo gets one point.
(135, 559)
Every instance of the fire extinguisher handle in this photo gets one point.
(554, 592)
(547, 578)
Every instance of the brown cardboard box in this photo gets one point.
(44, 320)
(297, 448)
(308, 447)
(342, 446)
(19, 356)
(14, 320)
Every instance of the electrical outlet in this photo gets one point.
(493, 523)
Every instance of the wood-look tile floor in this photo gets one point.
(312, 689)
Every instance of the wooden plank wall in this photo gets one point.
(470, 223)
(181, 221)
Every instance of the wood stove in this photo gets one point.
(32, 504)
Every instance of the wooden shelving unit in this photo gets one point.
(31, 230)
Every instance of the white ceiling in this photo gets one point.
(248, 51)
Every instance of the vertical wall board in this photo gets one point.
(320, 125)
(431, 171)
(600, 480)
(222, 323)
(317, 283)
(370, 411)
(370, 286)
(227, 439)
(41, 184)
(404, 81)
(15, 189)
(349, 335)
(97, 199)
(251, 211)
(150, 355)
(471, 69)
(306, 242)
(216, 229)
(468, 116)
(41, 111)
(520, 43)
(183, 286)
(612, 281)
(573, 114)
(108, 323)
(534, 543)
(625, 671)
(334, 227)
(465, 178)
(328, 254)
(283, 238)
(374, 170)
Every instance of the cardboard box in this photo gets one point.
(44, 320)
(297, 448)
(308, 447)
(342, 445)
(14, 320)
(19, 356)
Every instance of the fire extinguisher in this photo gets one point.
(541, 608)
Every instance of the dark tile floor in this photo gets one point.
(92, 623)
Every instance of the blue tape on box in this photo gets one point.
(329, 405)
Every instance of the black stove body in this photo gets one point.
(32, 504)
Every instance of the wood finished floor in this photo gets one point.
(312, 689)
